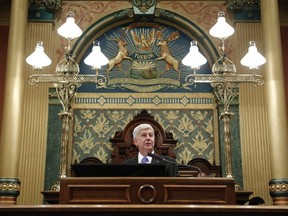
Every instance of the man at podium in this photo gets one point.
(144, 140)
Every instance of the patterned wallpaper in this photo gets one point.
(194, 130)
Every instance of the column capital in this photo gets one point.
(43, 10)
(245, 10)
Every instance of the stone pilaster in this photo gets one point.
(12, 110)
(275, 102)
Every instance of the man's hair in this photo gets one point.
(256, 201)
(139, 128)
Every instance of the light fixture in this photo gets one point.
(96, 58)
(221, 29)
(224, 78)
(253, 59)
(194, 58)
(38, 59)
(69, 29)
(66, 80)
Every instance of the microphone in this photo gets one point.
(158, 157)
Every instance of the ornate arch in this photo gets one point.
(155, 67)
(161, 16)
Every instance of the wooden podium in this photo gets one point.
(147, 190)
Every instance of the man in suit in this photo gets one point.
(144, 140)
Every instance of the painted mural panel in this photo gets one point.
(144, 57)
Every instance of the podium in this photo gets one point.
(147, 190)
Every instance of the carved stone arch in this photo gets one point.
(160, 16)
(123, 142)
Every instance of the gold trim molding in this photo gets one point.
(279, 187)
(9, 186)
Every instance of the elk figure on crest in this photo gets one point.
(165, 52)
(121, 56)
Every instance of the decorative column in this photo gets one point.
(12, 110)
(276, 105)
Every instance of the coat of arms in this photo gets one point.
(144, 57)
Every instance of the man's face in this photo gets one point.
(145, 141)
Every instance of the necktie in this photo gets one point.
(144, 160)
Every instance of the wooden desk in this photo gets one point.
(52, 196)
(147, 190)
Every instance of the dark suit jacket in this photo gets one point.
(171, 168)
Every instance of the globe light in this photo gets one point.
(194, 58)
(221, 29)
(253, 59)
(38, 58)
(96, 58)
(69, 29)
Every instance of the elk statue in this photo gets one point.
(165, 52)
(121, 55)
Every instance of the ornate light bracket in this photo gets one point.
(224, 78)
(99, 80)
(225, 93)
(226, 88)
(66, 87)
(67, 80)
